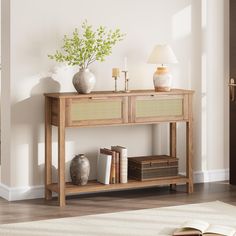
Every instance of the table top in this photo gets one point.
(117, 94)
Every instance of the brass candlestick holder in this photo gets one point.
(126, 81)
(115, 75)
(115, 78)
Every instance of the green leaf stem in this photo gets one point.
(87, 46)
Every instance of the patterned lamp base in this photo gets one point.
(162, 80)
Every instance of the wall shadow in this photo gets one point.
(28, 116)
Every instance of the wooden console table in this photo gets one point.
(108, 109)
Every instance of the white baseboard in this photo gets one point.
(211, 176)
(23, 193)
(4, 191)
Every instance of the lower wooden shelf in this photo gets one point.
(94, 186)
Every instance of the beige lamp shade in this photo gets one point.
(162, 54)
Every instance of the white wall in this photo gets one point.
(0, 82)
(5, 94)
(217, 77)
(37, 28)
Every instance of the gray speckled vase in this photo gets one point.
(79, 169)
(84, 81)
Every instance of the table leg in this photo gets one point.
(173, 139)
(173, 146)
(189, 154)
(48, 147)
(61, 152)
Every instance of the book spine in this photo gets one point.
(113, 168)
(124, 167)
(111, 173)
(117, 167)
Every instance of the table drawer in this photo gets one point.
(158, 108)
(96, 111)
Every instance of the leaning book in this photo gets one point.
(113, 163)
(198, 227)
(104, 168)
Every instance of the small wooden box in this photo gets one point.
(152, 167)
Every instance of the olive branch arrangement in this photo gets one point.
(87, 46)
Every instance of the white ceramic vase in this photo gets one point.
(84, 81)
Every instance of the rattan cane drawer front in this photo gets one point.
(148, 109)
(97, 111)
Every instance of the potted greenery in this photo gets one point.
(84, 48)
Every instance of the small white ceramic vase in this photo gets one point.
(162, 80)
(84, 81)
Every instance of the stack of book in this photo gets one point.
(112, 167)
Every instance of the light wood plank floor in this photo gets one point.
(38, 209)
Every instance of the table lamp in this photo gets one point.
(162, 79)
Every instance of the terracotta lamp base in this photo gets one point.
(162, 80)
(162, 89)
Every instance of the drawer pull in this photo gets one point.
(98, 98)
